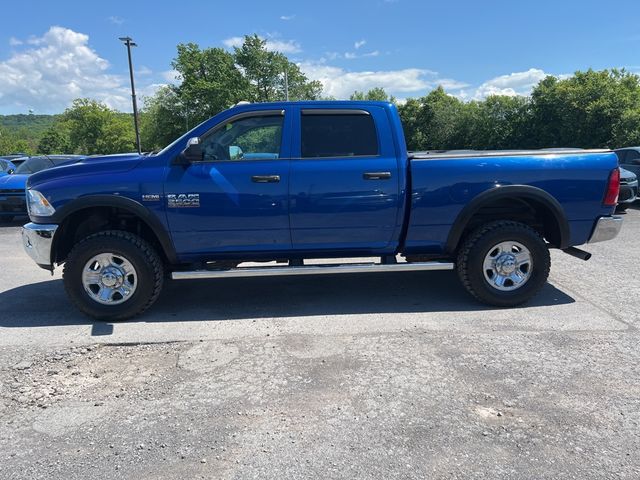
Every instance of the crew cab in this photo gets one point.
(286, 184)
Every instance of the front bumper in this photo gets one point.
(607, 228)
(37, 240)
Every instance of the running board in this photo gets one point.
(312, 270)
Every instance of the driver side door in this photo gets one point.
(236, 199)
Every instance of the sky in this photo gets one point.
(52, 52)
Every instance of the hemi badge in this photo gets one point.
(151, 197)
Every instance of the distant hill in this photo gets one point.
(34, 124)
(27, 129)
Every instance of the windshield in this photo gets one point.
(4, 166)
(33, 165)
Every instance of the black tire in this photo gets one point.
(139, 253)
(6, 218)
(477, 246)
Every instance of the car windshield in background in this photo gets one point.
(4, 166)
(33, 165)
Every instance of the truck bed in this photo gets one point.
(438, 154)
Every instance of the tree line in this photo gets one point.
(588, 109)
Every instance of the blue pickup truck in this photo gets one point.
(286, 184)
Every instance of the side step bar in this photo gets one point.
(312, 270)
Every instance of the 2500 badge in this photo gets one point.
(183, 200)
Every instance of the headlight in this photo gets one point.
(38, 205)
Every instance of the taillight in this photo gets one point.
(613, 189)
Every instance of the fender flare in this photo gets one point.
(125, 203)
(509, 191)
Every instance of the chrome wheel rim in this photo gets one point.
(109, 278)
(507, 266)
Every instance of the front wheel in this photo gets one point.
(504, 263)
(113, 275)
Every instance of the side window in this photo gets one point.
(632, 157)
(248, 138)
(622, 156)
(338, 135)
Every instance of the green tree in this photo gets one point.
(413, 131)
(375, 94)
(54, 140)
(440, 120)
(210, 82)
(163, 119)
(9, 143)
(626, 131)
(94, 128)
(584, 109)
(264, 71)
(498, 122)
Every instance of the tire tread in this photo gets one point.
(148, 252)
(465, 252)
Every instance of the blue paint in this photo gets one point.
(324, 207)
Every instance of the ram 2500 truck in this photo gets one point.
(292, 182)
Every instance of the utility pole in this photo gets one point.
(286, 85)
(128, 41)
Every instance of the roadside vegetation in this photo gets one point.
(589, 109)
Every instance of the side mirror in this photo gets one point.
(11, 171)
(193, 152)
(235, 153)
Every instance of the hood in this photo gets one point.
(88, 166)
(627, 175)
(13, 182)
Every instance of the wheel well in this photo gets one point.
(529, 211)
(87, 221)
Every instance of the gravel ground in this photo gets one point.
(358, 376)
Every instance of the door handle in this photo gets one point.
(265, 178)
(376, 175)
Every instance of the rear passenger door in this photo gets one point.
(344, 188)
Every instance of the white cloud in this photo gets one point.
(340, 83)
(171, 76)
(287, 17)
(14, 42)
(116, 20)
(57, 69)
(517, 83)
(359, 43)
(143, 70)
(273, 44)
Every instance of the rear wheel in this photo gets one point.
(504, 263)
(113, 275)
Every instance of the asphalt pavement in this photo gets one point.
(354, 376)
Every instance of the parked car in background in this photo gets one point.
(7, 167)
(12, 187)
(628, 189)
(16, 158)
(629, 159)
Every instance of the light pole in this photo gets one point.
(286, 85)
(128, 41)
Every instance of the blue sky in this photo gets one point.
(52, 52)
